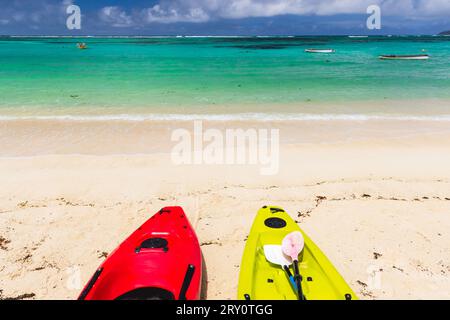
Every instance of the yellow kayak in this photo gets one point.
(260, 279)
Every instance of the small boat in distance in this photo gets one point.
(320, 50)
(81, 46)
(405, 57)
(358, 36)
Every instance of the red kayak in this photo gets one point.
(160, 261)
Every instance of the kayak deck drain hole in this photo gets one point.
(275, 223)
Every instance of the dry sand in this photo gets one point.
(378, 205)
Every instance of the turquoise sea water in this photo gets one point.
(219, 75)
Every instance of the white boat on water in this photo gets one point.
(320, 50)
(358, 36)
(405, 57)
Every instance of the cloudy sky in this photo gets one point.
(223, 17)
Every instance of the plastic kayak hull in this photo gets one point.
(160, 260)
(262, 280)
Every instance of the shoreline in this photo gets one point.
(374, 109)
(25, 138)
(243, 117)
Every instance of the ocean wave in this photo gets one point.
(226, 117)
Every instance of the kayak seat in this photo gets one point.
(147, 294)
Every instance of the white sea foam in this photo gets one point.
(227, 117)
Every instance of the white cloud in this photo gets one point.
(32, 11)
(171, 11)
(435, 7)
(116, 17)
(170, 14)
(197, 11)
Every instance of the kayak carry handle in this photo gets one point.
(186, 282)
(164, 210)
(154, 243)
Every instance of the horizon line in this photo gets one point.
(217, 36)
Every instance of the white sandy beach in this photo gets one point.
(375, 197)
